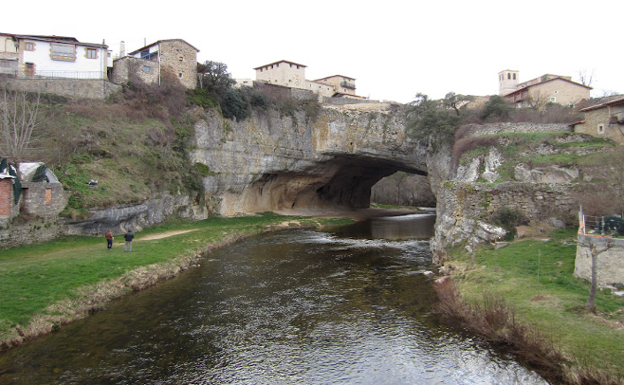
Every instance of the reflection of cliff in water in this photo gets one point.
(413, 226)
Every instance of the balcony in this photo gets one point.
(346, 84)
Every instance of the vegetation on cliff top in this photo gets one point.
(136, 144)
(436, 121)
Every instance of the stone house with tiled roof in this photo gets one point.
(537, 92)
(150, 63)
(604, 120)
(290, 74)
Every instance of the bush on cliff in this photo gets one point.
(430, 121)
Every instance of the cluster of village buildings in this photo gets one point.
(604, 120)
(58, 57)
(28, 56)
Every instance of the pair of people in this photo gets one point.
(128, 236)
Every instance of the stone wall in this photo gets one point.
(180, 59)
(145, 70)
(42, 199)
(610, 263)
(33, 231)
(499, 128)
(72, 88)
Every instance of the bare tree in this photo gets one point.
(18, 120)
(586, 77)
(538, 100)
(595, 251)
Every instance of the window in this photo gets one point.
(508, 76)
(553, 99)
(91, 53)
(601, 129)
(514, 76)
(5, 63)
(48, 196)
(147, 68)
(556, 91)
(63, 52)
(28, 46)
(181, 58)
(180, 75)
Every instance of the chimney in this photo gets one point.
(122, 49)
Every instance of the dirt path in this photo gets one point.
(164, 235)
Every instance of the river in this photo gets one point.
(348, 306)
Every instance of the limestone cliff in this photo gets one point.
(512, 166)
(299, 163)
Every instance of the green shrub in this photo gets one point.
(203, 169)
(202, 98)
(509, 218)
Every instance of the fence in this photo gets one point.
(598, 227)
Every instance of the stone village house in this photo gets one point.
(604, 120)
(537, 92)
(38, 192)
(175, 56)
(290, 74)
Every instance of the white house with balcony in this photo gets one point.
(33, 56)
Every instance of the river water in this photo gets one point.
(349, 306)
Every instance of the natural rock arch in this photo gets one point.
(295, 163)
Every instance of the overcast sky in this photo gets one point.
(393, 48)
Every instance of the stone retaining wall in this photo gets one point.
(610, 267)
(72, 88)
(500, 128)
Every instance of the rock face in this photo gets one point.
(136, 217)
(470, 194)
(299, 163)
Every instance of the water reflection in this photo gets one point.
(300, 307)
(414, 226)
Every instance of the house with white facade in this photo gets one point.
(35, 56)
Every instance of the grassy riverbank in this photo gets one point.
(535, 280)
(45, 285)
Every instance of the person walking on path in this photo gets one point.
(129, 237)
(109, 239)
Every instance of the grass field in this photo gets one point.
(535, 278)
(34, 278)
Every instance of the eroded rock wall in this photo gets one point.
(298, 163)
(468, 194)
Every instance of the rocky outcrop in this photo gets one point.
(469, 195)
(299, 163)
(119, 219)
